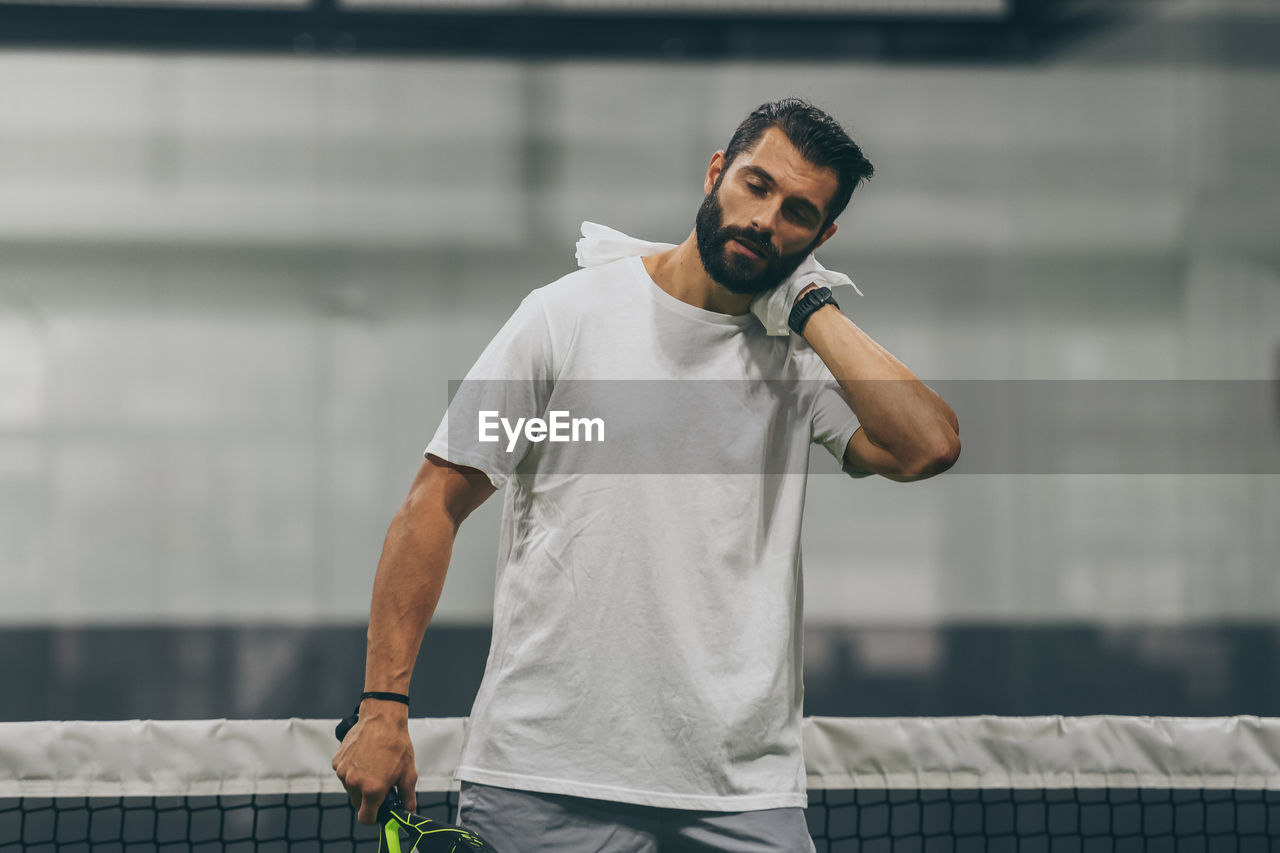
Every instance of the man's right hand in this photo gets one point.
(376, 756)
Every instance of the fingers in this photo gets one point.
(365, 797)
(367, 812)
(407, 786)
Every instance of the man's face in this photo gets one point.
(763, 216)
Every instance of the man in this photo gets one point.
(643, 689)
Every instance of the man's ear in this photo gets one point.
(827, 235)
(713, 172)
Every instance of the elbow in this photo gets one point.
(950, 454)
(935, 456)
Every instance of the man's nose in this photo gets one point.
(761, 232)
(763, 220)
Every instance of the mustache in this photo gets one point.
(753, 239)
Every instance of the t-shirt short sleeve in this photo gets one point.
(512, 379)
(834, 422)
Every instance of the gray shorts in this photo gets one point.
(529, 822)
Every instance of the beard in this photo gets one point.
(732, 270)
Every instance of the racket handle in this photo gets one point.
(392, 802)
(346, 724)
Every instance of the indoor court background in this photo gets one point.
(235, 281)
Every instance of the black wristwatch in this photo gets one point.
(806, 305)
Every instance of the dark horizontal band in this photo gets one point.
(390, 697)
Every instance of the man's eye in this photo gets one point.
(756, 188)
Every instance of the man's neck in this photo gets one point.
(680, 272)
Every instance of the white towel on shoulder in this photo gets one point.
(602, 245)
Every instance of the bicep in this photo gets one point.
(458, 489)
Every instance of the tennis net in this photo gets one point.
(878, 784)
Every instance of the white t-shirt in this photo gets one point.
(647, 619)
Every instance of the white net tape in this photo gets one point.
(235, 757)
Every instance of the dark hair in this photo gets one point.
(816, 135)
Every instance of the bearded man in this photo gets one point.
(643, 690)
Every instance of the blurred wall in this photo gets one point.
(233, 291)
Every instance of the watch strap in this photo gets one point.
(806, 305)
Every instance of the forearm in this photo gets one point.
(406, 589)
(897, 411)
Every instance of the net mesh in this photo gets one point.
(262, 822)
(1046, 820)
(1220, 790)
(934, 820)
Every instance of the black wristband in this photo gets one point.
(346, 724)
(806, 305)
